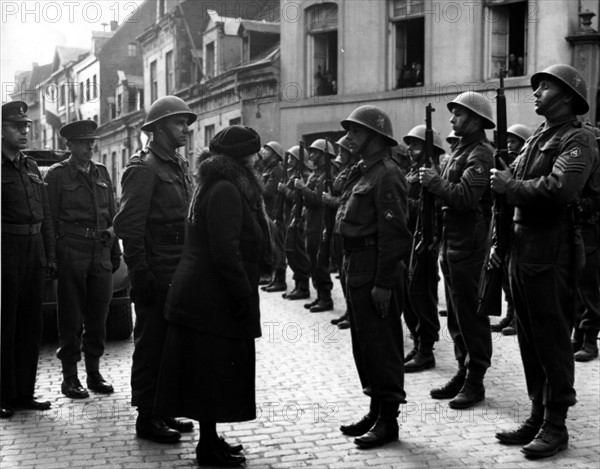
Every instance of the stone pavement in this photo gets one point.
(306, 387)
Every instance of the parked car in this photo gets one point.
(119, 324)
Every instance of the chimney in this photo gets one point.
(113, 25)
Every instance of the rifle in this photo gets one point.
(298, 205)
(328, 214)
(423, 238)
(490, 281)
(280, 201)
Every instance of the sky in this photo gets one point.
(31, 29)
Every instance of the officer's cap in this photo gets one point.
(79, 130)
(15, 111)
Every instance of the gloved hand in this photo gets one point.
(143, 286)
(116, 263)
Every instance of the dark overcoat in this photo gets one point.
(227, 243)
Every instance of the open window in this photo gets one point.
(322, 36)
(507, 23)
(408, 42)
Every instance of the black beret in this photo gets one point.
(79, 130)
(15, 111)
(236, 141)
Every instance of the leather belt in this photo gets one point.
(356, 244)
(25, 230)
(167, 234)
(81, 231)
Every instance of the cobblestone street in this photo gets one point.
(306, 387)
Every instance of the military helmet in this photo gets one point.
(165, 107)
(519, 130)
(372, 118)
(571, 78)
(276, 147)
(323, 145)
(418, 132)
(452, 137)
(476, 103)
(343, 143)
(294, 152)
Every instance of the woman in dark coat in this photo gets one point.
(208, 367)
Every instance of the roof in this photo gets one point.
(63, 55)
(261, 26)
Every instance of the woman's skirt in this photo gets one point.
(206, 377)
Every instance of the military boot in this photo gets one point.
(452, 387)
(364, 424)
(422, 360)
(589, 349)
(552, 437)
(577, 339)
(528, 429)
(385, 429)
(300, 292)
(471, 393)
(278, 283)
(325, 302)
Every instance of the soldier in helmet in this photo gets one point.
(83, 207)
(156, 190)
(295, 236)
(464, 192)
(545, 182)
(422, 317)
(311, 194)
(371, 221)
(272, 173)
(28, 255)
(516, 135)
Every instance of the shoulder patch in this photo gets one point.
(575, 152)
(388, 215)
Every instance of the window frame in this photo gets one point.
(310, 32)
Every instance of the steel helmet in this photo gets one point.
(476, 103)
(343, 143)
(276, 147)
(374, 119)
(418, 132)
(165, 107)
(570, 77)
(294, 152)
(519, 130)
(323, 145)
(452, 137)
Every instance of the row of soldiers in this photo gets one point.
(551, 181)
(367, 213)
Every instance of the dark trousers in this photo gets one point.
(278, 240)
(149, 335)
(83, 294)
(422, 317)
(319, 265)
(588, 312)
(295, 250)
(543, 307)
(471, 333)
(21, 319)
(377, 343)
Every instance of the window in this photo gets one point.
(507, 20)
(82, 92)
(161, 8)
(123, 162)
(132, 49)
(209, 133)
(322, 24)
(95, 87)
(408, 42)
(209, 61)
(153, 82)
(113, 168)
(87, 89)
(236, 121)
(119, 104)
(169, 72)
(62, 92)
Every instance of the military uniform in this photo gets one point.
(83, 208)
(463, 189)
(372, 223)
(548, 176)
(156, 191)
(28, 243)
(272, 176)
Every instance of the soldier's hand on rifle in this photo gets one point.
(299, 184)
(500, 178)
(281, 187)
(381, 298)
(426, 175)
(326, 197)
